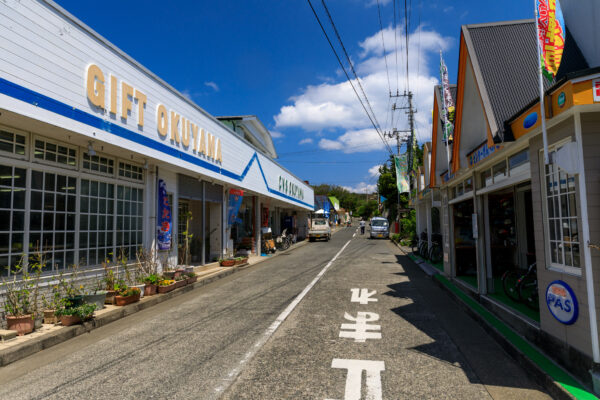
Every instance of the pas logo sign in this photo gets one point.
(562, 302)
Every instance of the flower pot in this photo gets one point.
(189, 269)
(38, 322)
(75, 301)
(141, 286)
(166, 289)
(110, 297)
(245, 260)
(178, 273)
(191, 279)
(23, 324)
(68, 320)
(150, 289)
(169, 274)
(99, 298)
(49, 317)
(124, 300)
(180, 283)
(227, 263)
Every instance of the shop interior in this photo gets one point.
(464, 244)
(190, 225)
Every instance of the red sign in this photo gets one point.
(236, 192)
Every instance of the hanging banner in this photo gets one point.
(447, 103)
(164, 226)
(401, 173)
(235, 201)
(551, 35)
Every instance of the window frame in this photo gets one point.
(13, 154)
(550, 265)
(57, 164)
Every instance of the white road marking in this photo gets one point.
(273, 327)
(362, 296)
(354, 378)
(359, 330)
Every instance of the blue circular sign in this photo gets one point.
(561, 99)
(530, 120)
(562, 302)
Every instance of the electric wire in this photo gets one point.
(348, 77)
(384, 52)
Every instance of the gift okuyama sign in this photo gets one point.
(290, 188)
(562, 302)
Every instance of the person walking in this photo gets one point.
(362, 226)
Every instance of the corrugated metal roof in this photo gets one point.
(506, 56)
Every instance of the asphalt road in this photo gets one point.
(226, 340)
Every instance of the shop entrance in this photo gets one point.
(464, 243)
(511, 241)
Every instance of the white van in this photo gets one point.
(380, 228)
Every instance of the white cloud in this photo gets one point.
(276, 134)
(371, 3)
(187, 94)
(306, 141)
(362, 188)
(212, 85)
(333, 106)
(374, 170)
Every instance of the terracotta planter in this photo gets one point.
(110, 297)
(124, 300)
(227, 263)
(180, 283)
(169, 274)
(191, 279)
(68, 320)
(166, 289)
(150, 289)
(245, 260)
(22, 324)
(189, 269)
(178, 273)
(141, 287)
(49, 317)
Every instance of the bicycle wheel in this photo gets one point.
(436, 254)
(509, 284)
(528, 292)
(285, 244)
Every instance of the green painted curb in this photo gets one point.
(545, 364)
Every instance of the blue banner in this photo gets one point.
(235, 201)
(164, 227)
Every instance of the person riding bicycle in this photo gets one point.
(362, 226)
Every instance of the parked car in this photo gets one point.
(380, 228)
(319, 229)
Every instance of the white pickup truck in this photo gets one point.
(319, 230)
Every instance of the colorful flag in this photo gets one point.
(401, 173)
(236, 197)
(551, 35)
(164, 227)
(447, 103)
(382, 199)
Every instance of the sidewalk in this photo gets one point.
(559, 382)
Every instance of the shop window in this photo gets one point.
(131, 171)
(562, 240)
(52, 218)
(459, 190)
(55, 153)
(519, 162)
(182, 219)
(96, 220)
(12, 143)
(98, 164)
(12, 216)
(499, 171)
(130, 211)
(486, 178)
(468, 185)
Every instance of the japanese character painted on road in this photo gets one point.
(355, 368)
(362, 296)
(359, 329)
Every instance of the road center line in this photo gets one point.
(273, 327)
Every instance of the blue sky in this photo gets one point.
(271, 59)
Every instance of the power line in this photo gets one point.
(406, 26)
(348, 77)
(384, 53)
(396, 47)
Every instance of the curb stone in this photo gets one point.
(554, 388)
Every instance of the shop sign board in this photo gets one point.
(562, 302)
(164, 228)
(481, 153)
(596, 90)
(85, 85)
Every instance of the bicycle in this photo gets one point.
(423, 245)
(284, 241)
(522, 287)
(435, 251)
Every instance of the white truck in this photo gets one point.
(319, 229)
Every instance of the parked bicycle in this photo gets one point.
(435, 251)
(283, 241)
(522, 287)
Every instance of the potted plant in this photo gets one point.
(52, 303)
(180, 281)
(191, 277)
(166, 285)
(127, 295)
(74, 315)
(151, 284)
(229, 262)
(18, 299)
(96, 296)
(110, 281)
